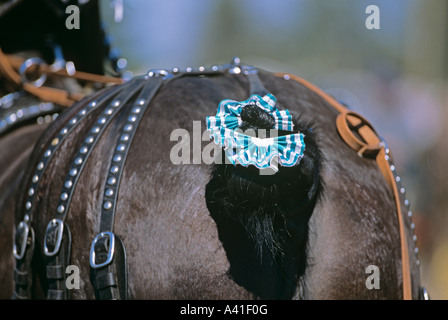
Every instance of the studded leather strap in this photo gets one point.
(108, 266)
(59, 253)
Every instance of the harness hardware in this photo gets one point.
(20, 244)
(107, 240)
(53, 237)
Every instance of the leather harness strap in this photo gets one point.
(369, 146)
(9, 64)
(108, 263)
(17, 61)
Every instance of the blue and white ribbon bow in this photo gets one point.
(246, 150)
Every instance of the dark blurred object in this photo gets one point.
(39, 25)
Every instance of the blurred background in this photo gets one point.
(395, 76)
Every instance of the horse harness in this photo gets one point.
(108, 262)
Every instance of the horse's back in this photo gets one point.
(173, 241)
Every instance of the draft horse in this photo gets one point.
(102, 199)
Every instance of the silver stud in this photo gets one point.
(116, 103)
(418, 262)
(416, 250)
(26, 218)
(47, 153)
(64, 196)
(124, 137)
(84, 150)
(392, 167)
(114, 169)
(136, 109)
(40, 166)
(73, 172)
(35, 178)
(409, 213)
(201, 68)
(109, 111)
(12, 117)
(96, 129)
(414, 237)
(31, 192)
(92, 104)
(128, 127)
(117, 158)
(406, 203)
(109, 192)
(89, 140)
(175, 70)
(28, 205)
(121, 147)
(64, 131)
(132, 118)
(397, 179)
(73, 121)
(215, 68)
(82, 112)
(412, 226)
(61, 208)
(78, 160)
(402, 190)
(141, 102)
(189, 69)
(112, 181)
(107, 205)
(235, 70)
(286, 77)
(102, 120)
(68, 184)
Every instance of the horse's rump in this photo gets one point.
(195, 230)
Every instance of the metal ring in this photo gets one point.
(27, 64)
(110, 253)
(19, 255)
(60, 226)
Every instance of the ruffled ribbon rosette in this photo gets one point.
(286, 150)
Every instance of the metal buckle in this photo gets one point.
(110, 252)
(24, 237)
(349, 125)
(60, 229)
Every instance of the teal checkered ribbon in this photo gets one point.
(247, 150)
